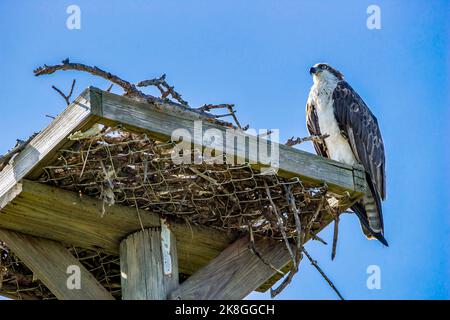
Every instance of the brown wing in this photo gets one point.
(312, 124)
(361, 129)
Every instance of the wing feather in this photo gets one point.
(312, 124)
(360, 127)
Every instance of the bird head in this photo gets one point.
(324, 72)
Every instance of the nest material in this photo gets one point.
(126, 168)
(18, 282)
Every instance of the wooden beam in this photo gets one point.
(149, 265)
(161, 120)
(47, 141)
(49, 261)
(235, 273)
(49, 212)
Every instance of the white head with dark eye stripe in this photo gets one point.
(322, 72)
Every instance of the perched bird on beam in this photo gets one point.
(335, 109)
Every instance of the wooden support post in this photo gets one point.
(236, 272)
(148, 263)
(49, 261)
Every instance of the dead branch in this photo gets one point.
(315, 216)
(209, 107)
(66, 97)
(265, 134)
(67, 65)
(229, 107)
(253, 250)
(299, 242)
(335, 236)
(314, 138)
(280, 224)
(296, 213)
(317, 238)
(330, 283)
(130, 89)
(164, 88)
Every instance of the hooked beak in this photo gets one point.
(312, 71)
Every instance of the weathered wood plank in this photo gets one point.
(49, 261)
(161, 120)
(56, 214)
(44, 144)
(235, 273)
(149, 270)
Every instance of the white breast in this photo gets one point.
(338, 147)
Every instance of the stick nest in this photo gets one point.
(131, 169)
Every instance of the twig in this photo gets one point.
(229, 107)
(295, 212)
(298, 254)
(335, 236)
(330, 283)
(265, 134)
(233, 114)
(256, 252)
(314, 217)
(209, 107)
(315, 138)
(66, 97)
(67, 65)
(280, 224)
(335, 215)
(275, 292)
(137, 211)
(317, 238)
(164, 88)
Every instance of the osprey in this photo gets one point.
(335, 109)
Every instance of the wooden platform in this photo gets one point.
(30, 208)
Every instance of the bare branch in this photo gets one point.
(317, 238)
(66, 97)
(67, 65)
(330, 283)
(164, 88)
(280, 224)
(265, 134)
(209, 107)
(229, 107)
(320, 139)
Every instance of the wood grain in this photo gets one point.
(44, 144)
(49, 261)
(161, 120)
(235, 273)
(141, 264)
(60, 215)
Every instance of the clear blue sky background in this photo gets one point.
(257, 54)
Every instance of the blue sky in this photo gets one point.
(257, 54)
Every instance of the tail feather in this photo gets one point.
(358, 209)
(370, 214)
